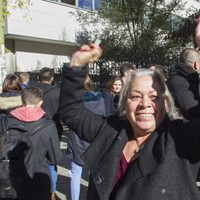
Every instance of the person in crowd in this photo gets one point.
(197, 33)
(124, 69)
(160, 69)
(50, 106)
(24, 79)
(45, 143)
(111, 95)
(77, 146)
(10, 97)
(184, 83)
(147, 152)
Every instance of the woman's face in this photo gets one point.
(145, 106)
(116, 87)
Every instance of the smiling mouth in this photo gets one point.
(146, 116)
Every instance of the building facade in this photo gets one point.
(43, 34)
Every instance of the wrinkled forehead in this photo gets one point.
(145, 84)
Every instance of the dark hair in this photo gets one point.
(31, 95)
(160, 69)
(11, 83)
(46, 74)
(112, 81)
(125, 67)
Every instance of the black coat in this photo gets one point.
(50, 98)
(76, 146)
(184, 86)
(166, 168)
(50, 103)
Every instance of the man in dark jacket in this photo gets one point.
(51, 92)
(184, 83)
(50, 106)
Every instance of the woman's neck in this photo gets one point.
(133, 147)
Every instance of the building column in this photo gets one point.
(2, 45)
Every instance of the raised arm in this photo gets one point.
(71, 109)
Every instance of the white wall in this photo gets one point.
(36, 61)
(45, 20)
(43, 36)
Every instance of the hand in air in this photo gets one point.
(86, 54)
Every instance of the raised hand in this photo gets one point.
(86, 54)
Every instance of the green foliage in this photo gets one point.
(137, 30)
(186, 29)
(22, 4)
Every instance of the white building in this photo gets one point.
(44, 34)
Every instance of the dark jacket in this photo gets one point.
(110, 104)
(166, 168)
(184, 86)
(50, 99)
(50, 103)
(77, 146)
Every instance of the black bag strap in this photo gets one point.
(49, 89)
(4, 124)
(39, 126)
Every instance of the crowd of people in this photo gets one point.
(138, 137)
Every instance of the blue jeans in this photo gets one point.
(54, 176)
(75, 175)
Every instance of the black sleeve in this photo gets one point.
(184, 98)
(72, 110)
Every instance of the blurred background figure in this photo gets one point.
(50, 106)
(160, 69)
(77, 146)
(111, 95)
(197, 34)
(125, 68)
(24, 79)
(183, 83)
(10, 97)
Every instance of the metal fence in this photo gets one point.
(100, 72)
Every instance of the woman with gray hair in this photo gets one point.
(172, 111)
(145, 153)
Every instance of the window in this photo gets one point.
(89, 4)
(97, 4)
(86, 4)
(71, 2)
